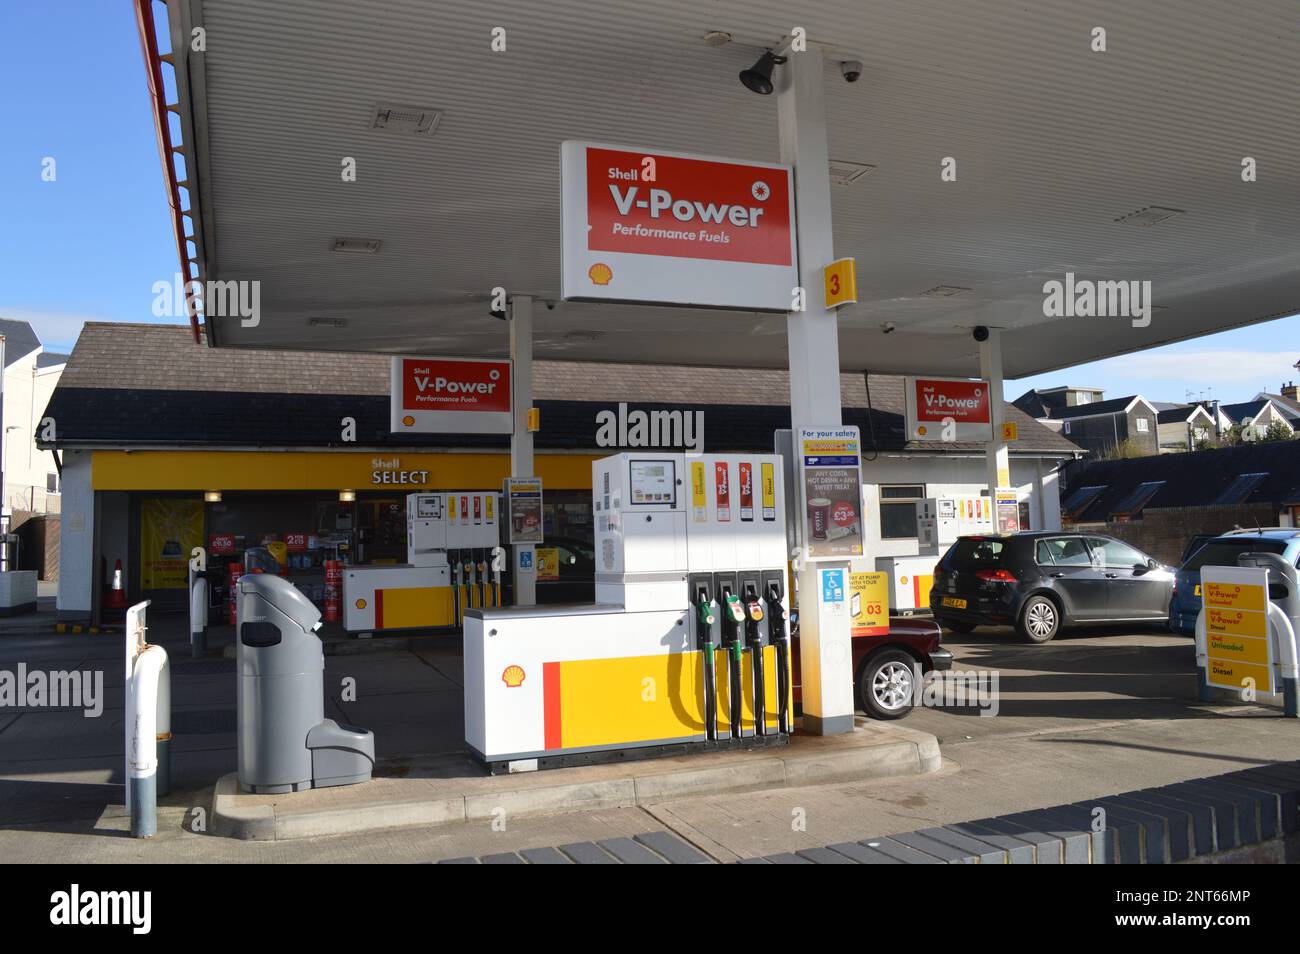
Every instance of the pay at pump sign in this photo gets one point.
(644, 225)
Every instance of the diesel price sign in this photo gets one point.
(671, 228)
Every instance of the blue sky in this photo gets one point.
(90, 245)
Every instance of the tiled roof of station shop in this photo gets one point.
(144, 384)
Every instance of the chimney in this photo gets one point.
(1290, 391)
(1214, 413)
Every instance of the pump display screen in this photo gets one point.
(653, 482)
(428, 507)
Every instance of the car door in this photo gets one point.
(1074, 575)
(1134, 590)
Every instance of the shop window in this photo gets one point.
(898, 510)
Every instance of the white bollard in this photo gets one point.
(148, 712)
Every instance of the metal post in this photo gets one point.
(996, 458)
(826, 656)
(521, 439)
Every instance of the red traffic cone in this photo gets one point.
(115, 600)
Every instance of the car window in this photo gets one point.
(1113, 553)
(1068, 551)
(1043, 553)
(973, 553)
(1225, 552)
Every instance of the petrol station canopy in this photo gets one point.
(1064, 157)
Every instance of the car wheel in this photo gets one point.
(1039, 620)
(887, 684)
(957, 625)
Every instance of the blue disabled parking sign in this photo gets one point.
(832, 586)
(525, 559)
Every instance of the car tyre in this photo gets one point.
(886, 684)
(1040, 620)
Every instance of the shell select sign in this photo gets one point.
(674, 228)
(450, 395)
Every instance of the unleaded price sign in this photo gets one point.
(1239, 650)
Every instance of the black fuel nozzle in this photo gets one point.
(753, 616)
(778, 634)
(705, 616)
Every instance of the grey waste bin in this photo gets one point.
(285, 744)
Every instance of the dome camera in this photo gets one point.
(851, 70)
(980, 333)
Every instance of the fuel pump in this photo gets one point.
(705, 619)
(467, 575)
(481, 569)
(733, 619)
(779, 636)
(754, 640)
(453, 572)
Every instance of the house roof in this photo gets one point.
(1244, 409)
(1181, 413)
(1246, 473)
(50, 359)
(1290, 409)
(140, 384)
(20, 339)
(1110, 406)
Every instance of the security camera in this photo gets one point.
(980, 333)
(888, 327)
(851, 69)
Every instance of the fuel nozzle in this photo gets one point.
(754, 639)
(705, 619)
(733, 619)
(779, 636)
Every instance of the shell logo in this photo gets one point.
(920, 431)
(408, 421)
(361, 604)
(903, 580)
(513, 677)
(600, 274)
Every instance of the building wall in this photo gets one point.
(1163, 532)
(27, 392)
(953, 475)
(77, 546)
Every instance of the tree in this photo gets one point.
(1277, 431)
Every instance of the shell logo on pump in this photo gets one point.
(600, 274)
(408, 421)
(513, 677)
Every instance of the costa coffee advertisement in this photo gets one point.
(523, 509)
(450, 396)
(830, 490)
(947, 409)
(673, 228)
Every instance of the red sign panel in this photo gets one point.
(693, 208)
(746, 491)
(448, 385)
(295, 542)
(722, 488)
(221, 543)
(965, 402)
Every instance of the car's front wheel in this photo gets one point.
(1039, 620)
(887, 684)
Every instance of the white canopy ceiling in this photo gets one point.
(1054, 142)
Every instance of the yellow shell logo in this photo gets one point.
(920, 431)
(513, 677)
(409, 421)
(361, 604)
(600, 274)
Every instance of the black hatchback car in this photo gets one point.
(1040, 581)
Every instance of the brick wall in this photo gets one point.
(1164, 532)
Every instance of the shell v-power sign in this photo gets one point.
(676, 229)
